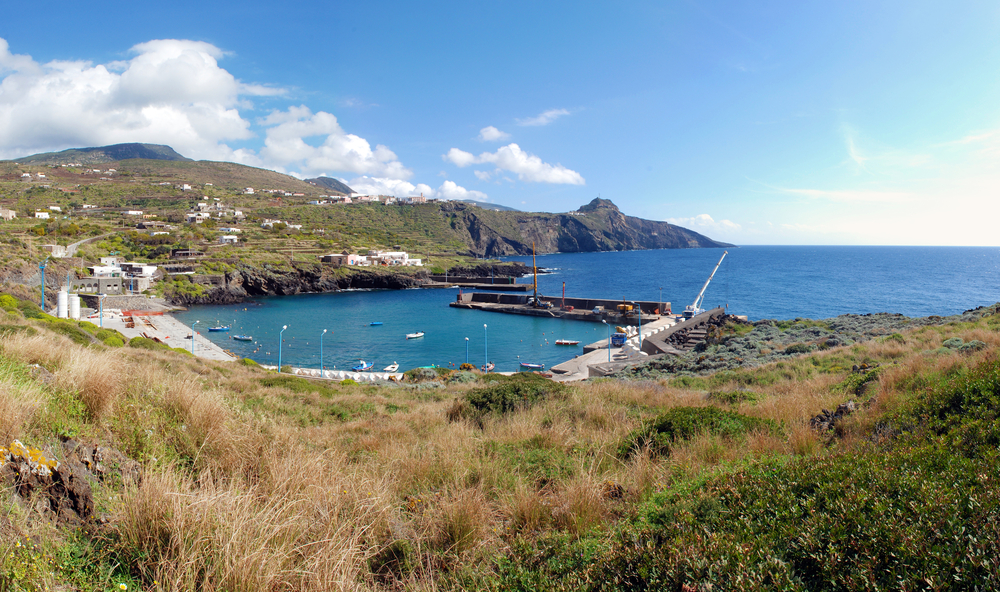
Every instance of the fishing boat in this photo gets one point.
(363, 367)
(566, 342)
(532, 366)
(416, 335)
(243, 337)
(391, 367)
(375, 323)
(219, 328)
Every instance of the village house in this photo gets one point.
(229, 239)
(8, 215)
(55, 209)
(42, 215)
(133, 212)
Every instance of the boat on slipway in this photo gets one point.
(391, 367)
(363, 366)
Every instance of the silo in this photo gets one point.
(62, 304)
(74, 307)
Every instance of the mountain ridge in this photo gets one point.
(105, 154)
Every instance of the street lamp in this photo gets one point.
(192, 335)
(321, 366)
(279, 346)
(661, 301)
(609, 338)
(466, 350)
(639, 309)
(486, 348)
(100, 300)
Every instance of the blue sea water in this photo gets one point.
(758, 281)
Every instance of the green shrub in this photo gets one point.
(734, 397)
(506, 394)
(114, 341)
(8, 302)
(418, 374)
(348, 382)
(798, 348)
(8, 329)
(145, 343)
(463, 376)
(70, 330)
(249, 363)
(683, 423)
(974, 345)
(953, 343)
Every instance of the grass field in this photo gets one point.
(253, 480)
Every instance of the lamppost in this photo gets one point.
(321, 366)
(638, 308)
(609, 338)
(279, 346)
(466, 350)
(661, 301)
(41, 269)
(192, 335)
(100, 306)
(486, 348)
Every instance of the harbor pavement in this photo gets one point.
(165, 328)
(579, 368)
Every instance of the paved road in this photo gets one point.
(579, 367)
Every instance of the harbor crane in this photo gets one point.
(695, 308)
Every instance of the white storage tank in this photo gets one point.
(62, 305)
(74, 307)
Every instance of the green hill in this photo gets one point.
(104, 154)
(331, 184)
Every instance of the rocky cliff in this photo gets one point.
(597, 226)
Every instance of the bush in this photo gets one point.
(114, 341)
(974, 345)
(953, 343)
(249, 363)
(798, 348)
(467, 366)
(734, 397)
(507, 394)
(145, 343)
(8, 302)
(463, 376)
(683, 423)
(418, 374)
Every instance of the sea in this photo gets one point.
(761, 282)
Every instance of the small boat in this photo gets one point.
(490, 367)
(219, 328)
(363, 367)
(416, 335)
(375, 323)
(566, 342)
(391, 367)
(532, 366)
(243, 337)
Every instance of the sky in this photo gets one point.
(858, 122)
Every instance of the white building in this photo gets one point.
(55, 208)
(229, 239)
(248, 191)
(42, 215)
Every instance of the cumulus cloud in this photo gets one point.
(528, 167)
(285, 146)
(492, 134)
(399, 188)
(544, 118)
(482, 175)
(171, 92)
(705, 223)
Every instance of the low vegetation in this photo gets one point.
(224, 476)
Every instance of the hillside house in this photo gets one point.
(248, 191)
(42, 215)
(133, 212)
(55, 209)
(229, 239)
(7, 215)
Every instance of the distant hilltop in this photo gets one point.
(105, 154)
(331, 184)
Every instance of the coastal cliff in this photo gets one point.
(248, 282)
(597, 226)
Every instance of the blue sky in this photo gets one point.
(755, 123)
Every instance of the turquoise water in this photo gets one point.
(761, 282)
(506, 339)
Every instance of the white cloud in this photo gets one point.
(172, 92)
(482, 175)
(399, 188)
(527, 166)
(705, 223)
(492, 134)
(543, 118)
(285, 146)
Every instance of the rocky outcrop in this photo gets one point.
(248, 282)
(597, 226)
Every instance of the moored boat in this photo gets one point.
(416, 335)
(363, 366)
(243, 337)
(532, 366)
(219, 328)
(566, 342)
(391, 367)
(375, 323)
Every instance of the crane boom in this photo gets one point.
(695, 308)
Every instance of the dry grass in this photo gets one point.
(255, 501)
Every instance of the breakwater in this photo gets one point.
(594, 310)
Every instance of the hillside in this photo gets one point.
(335, 185)
(136, 466)
(104, 154)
